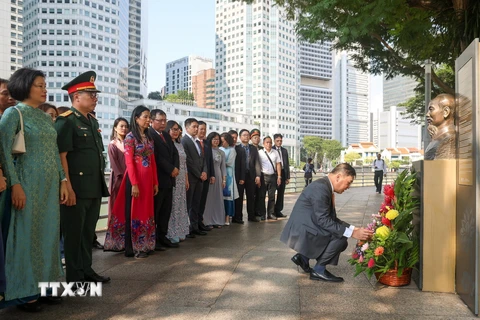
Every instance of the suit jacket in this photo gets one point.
(240, 163)
(286, 162)
(196, 163)
(313, 220)
(166, 158)
(254, 166)
(209, 159)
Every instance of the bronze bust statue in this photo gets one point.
(440, 118)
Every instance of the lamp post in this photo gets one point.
(428, 97)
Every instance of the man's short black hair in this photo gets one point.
(242, 131)
(233, 132)
(202, 123)
(277, 135)
(21, 83)
(346, 169)
(189, 121)
(154, 112)
(267, 137)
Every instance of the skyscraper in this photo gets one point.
(351, 102)
(178, 73)
(67, 37)
(397, 131)
(256, 66)
(203, 88)
(11, 36)
(316, 90)
(137, 49)
(397, 90)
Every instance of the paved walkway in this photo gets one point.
(245, 272)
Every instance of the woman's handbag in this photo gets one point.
(18, 146)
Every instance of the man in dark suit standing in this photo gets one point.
(252, 178)
(259, 199)
(167, 161)
(240, 165)
(314, 231)
(197, 174)
(278, 139)
(207, 150)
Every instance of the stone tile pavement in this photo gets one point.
(245, 272)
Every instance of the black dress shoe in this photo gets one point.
(204, 228)
(97, 245)
(270, 217)
(325, 276)
(169, 244)
(298, 260)
(238, 221)
(50, 300)
(159, 247)
(281, 215)
(97, 278)
(190, 235)
(255, 219)
(199, 232)
(30, 307)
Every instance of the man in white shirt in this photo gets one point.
(272, 175)
(380, 172)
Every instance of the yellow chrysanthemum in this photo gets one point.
(392, 214)
(382, 232)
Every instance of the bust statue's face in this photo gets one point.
(435, 115)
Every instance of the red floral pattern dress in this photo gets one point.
(141, 171)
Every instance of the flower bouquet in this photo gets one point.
(394, 247)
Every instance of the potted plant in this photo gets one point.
(394, 249)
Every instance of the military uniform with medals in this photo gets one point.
(79, 136)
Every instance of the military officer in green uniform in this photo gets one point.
(81, 153)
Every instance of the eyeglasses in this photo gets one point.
(160, 120)
(175, 129)
(92, 95)
(42, 87)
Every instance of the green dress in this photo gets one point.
(32, 248)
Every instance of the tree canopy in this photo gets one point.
(180, 96)
(392, 37)
(316, 146)
(155, 95)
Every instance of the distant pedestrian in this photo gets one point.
(309, 168)
(380, 172)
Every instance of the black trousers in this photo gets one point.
(203, 200)
(378, 180)
(259, 199)
(194, 196)
(78, 225)
(163, 209)
(331, 254)
(269, 189)
(249, 188)
(280, 195)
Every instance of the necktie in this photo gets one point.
(280, 153)
(163, 138)
(247, 153)
(201, 144)
(200, 147)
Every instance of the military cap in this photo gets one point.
(254, 132)
(84, 82)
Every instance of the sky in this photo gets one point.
(177, 29)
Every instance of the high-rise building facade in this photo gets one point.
(178, 73)
(137, 49)
(67, 37)
(256, 66)
(11, 36)
(203, 88)
(316, 90)
(351, 102)
(397, 90)
(397, 131)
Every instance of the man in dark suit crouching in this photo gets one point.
(314, 230)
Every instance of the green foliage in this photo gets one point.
(180, 97)
(395, 245)
(313, 146)
(155, 95)
(332, 149)
(351, 156)
(395, 164)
